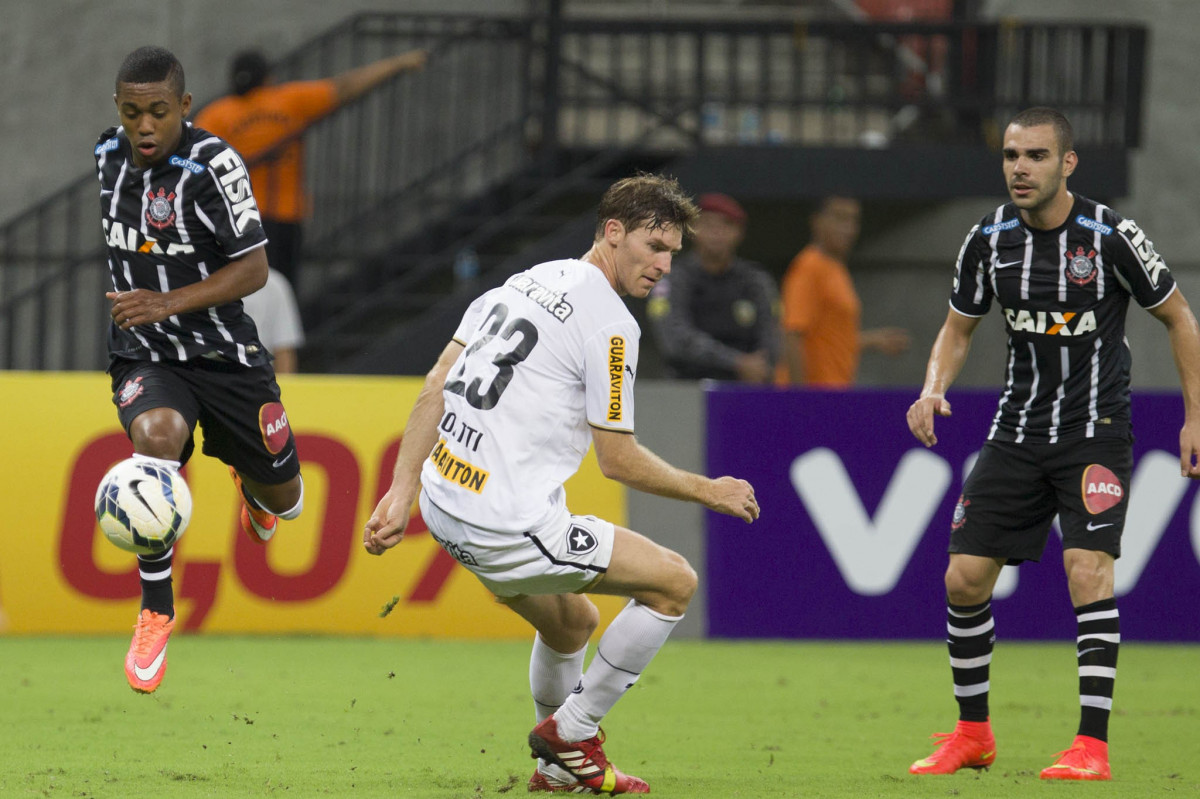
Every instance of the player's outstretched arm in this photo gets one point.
(625, 460)
(233, 281)
(1184, 334)
(945, 362)
(386, 526)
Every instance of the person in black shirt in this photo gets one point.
(714, 316)
(185, 243)
(1063, 269)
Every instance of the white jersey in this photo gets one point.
(548, 354)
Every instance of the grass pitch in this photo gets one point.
(244, 717)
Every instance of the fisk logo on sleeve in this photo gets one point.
(235, 183)
(616, 377)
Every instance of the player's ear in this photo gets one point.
(185, 104)
(1070, 161)
(614, 231)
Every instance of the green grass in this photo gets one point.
(242, 717)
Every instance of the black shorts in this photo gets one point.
(238, 409)
(1013, 493)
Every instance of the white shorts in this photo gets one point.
(566, 555)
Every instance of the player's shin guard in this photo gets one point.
(624, 651)
(1099, 638)
(971, 637)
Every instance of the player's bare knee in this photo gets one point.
(571, 629)
(1089, 580)
(583, 621)
(678, 587)
(964, 588)
(158, 442)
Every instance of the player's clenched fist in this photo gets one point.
(386, 526)
(734, 497)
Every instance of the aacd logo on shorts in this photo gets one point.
(273, 422)
(1101, 489)
(580, 541)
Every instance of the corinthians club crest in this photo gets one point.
(160, 212)
(1081, 269)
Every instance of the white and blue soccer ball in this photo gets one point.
(143, 507)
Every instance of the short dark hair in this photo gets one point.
(1043, 115)
(656, 201)
(152, 64)
(248, 71)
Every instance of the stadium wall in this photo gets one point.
(59, 575)
(851, 542)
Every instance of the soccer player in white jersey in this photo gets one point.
(536, 370)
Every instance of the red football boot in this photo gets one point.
(1087, 759)
(971, 745)
(584, 759)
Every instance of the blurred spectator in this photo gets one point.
(259, 116)
(273, 309)
(821, 310)
(714, 315)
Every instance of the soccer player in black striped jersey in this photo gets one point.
(185, 244)
(1062, 269)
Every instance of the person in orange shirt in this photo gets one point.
(821, 311)
(264, 121)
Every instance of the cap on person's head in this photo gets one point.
(248, 71)
(722, 204)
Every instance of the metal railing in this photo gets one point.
(396, 178)
(835, 83)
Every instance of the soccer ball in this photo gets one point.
(143, 507)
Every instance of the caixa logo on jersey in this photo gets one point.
(1050, 323)
(235, 185)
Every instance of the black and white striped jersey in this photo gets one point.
(172, 225)
(1064, 294)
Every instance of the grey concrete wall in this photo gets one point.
(670, 421)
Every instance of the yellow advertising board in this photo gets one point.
(58, 574)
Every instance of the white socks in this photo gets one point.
(552, 676)
(626, 648)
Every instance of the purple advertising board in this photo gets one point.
(856, 519)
